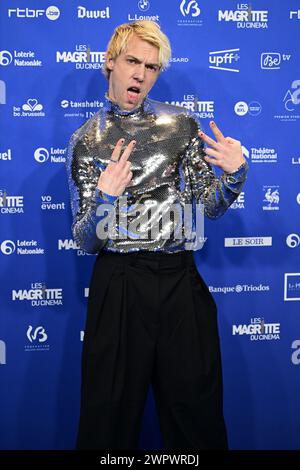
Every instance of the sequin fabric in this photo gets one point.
(168, 171)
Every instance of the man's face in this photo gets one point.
(133, 73)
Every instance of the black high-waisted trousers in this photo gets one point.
(151, 319)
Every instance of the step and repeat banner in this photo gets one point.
(236, 63)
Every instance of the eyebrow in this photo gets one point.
(139, 61)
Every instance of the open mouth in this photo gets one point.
(133, 94)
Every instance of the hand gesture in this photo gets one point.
(226, 152)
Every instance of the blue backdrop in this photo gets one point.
(237, 63)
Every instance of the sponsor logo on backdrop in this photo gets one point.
(298, 198)
(70, 244)
(295, 357)
(290, 103)
(271, 198)
(239, 203)
(2, 92)
(51, 12)
(52, 155)
(295, 160)
(39, 295)
(293, 240)
(291, 286)
(32, 108)
(257, 330)
(294, 14)
(37, 338)
(81, 335)
(80, 108)
(11, 204)
(83, 57)
(2, 352)
(202, 109)
(239, 289)
(5, 155)
(21, 247)
(224, 60)
(237, 242)
(19, 59)
(179, 60)
(190, 13)
(245, 17)
(143, 6)
(261, 154)
(241, 108)
(86, 291)
(84, 13)
(273, 60)
(47, 204)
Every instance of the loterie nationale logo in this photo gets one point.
(21, 247)
(18, 58)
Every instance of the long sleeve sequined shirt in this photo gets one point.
(171, 181)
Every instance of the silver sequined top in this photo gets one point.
(168, 172)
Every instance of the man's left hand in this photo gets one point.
(226, 152)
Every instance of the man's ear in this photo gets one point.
(110, 62)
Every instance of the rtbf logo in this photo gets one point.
(52, 13)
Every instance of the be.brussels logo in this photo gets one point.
(257, 330)
(51, 155)
(291, 287)
(225, 60)
(245, 17)
(51, 13)
(31, 108)
(85, 13)
(21, 247)
(37, 339)
(2, 352)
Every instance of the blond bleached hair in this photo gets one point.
(147, 31)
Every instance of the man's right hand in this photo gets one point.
(117, 175)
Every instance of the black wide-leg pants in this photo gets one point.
(151, 320)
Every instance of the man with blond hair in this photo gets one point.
(137, 169)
